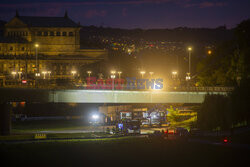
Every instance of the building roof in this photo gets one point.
(37, 21)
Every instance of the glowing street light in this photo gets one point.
(89, 73)
(14, 74)
(151, 74)
(73, 72)
(188, 77)
(142, 73)
(174, 74)
(37, 74)
(112, 72)
(44, 74)
(209, 52)
(113, 78)
(19, 74)
(49, 72)
(119, 74)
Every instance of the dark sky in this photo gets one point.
(136, 13)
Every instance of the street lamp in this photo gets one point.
(89, 73)
(142, 73)
(189, 57)
(73, 72)
(174, 74)
(14, 74)
(209, 52)
(151, 74)
(19, 75)
(119, 73)
(37, 68)
(113, 78)
(44, 73)
(188, 77)
(37, 74)
(49, 72)
(112, 72)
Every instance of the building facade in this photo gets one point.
(44, 45)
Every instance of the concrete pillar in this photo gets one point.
(5, 118)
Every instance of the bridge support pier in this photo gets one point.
(5, 118)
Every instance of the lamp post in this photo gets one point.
(89, 73)
(19, 75)
(49, 72)
(119, 74)
(189, 58)
(14, 74)
(44, 74)
(73, 72)
(151, 74)
(37, 68)
(142, 73)
(113, 78)
(174, 74)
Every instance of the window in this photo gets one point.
(58, 33)
(70, 33)
(23, 48)
(39, 33)
(51, 33)
(64, 33)
(45, 33)
(11, 48)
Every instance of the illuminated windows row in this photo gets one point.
(17, 33)
(52, 33)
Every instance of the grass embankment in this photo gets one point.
(51, 136)
(26, 130)
(48, 125)
(121, 152)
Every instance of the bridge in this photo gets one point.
(8, 95)
(196, 95)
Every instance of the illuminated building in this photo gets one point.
(55, 40)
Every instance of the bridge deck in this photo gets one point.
(101, 96)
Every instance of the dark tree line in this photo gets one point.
(226, 112)
(230, 65)
(230, 62)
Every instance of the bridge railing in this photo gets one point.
(52, 85)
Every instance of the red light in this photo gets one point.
(225, 140)
(24, 81)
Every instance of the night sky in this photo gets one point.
(135, 13)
